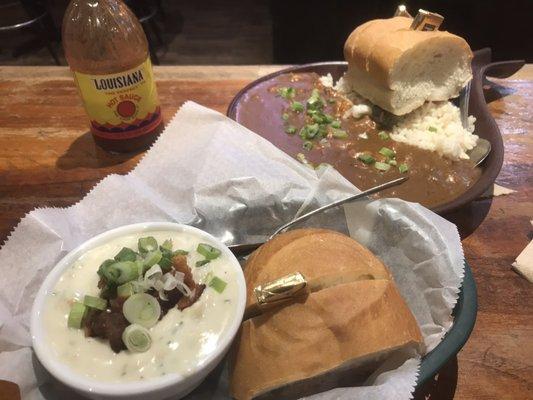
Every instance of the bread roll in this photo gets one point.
(334, 336)
(318, 247)
(399, 69)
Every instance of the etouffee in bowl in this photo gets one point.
(141, 311)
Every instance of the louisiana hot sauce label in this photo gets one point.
(123, 105)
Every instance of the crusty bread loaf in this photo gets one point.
(399, 69)
(318, 247)
(335, 335)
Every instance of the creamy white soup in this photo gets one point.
(180, 340)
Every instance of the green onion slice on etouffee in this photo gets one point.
(381, 166)
(308, 145)
(366, 158)
(287, 92)
(290, 129)
(315, 101)
(309, 131)
(339, 134)
(389, 153)
(296, 106)
(383, 135)
(403, 168)
(336, 124)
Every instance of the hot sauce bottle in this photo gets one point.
(107, 51)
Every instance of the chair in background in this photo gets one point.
(29, 15)
(146, 11)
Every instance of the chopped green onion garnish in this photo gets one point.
(180, 253)
(308, 145)
(121, 272)
(147, 244)
(392, 162)
(76, 315)
(103, 267)
(387, 152)
(309, 131)
(336, 124)
(152, 258)
(286, 92)
(201, 263)
(126, 254)
(381, 166)
(403, 168)
(318, 118)
(432, 129)
(208, 251)
(95, 302)
(142, 309)
(136, 338)
(383, 135)
(165, 263)
(340, 134)
(328, 119)
(315, 102)
(285, 116)
(125, 290)
(291, 130)
(165, 252)
(297, 106)
(167, 245)
(218, 284)
(366, 158)
(323, 131)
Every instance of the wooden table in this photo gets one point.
(48, 158)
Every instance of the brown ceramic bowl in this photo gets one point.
(485, 125)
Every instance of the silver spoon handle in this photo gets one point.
(368, 192)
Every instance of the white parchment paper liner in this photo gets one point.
(208, 171)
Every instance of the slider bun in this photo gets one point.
(399, 69)
(337, 335)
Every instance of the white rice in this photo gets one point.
(326, 80)
(357, 111)
(437, 127)
(434, 126)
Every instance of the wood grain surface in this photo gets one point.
(48, 158)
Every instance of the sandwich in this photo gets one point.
(399, 69)
(336, 334)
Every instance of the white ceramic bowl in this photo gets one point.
(156, 388)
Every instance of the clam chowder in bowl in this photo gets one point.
(141, 311)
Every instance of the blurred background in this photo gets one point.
(261, 31)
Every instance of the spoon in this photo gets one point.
(482, 149)
(244, 249)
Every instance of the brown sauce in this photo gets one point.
(433, 179)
